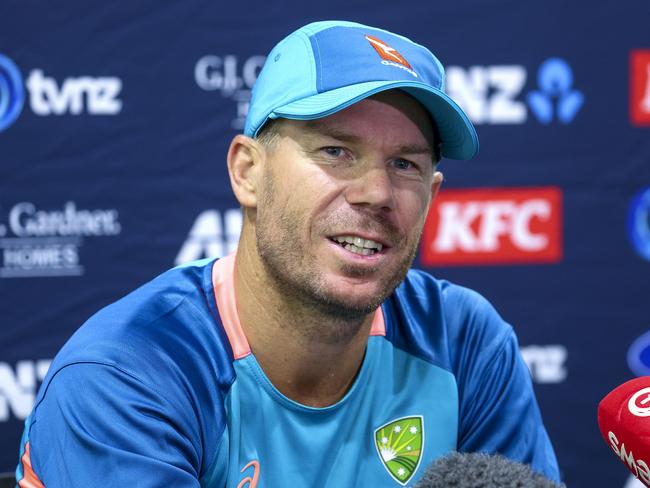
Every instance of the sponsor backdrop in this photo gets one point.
(115, 121)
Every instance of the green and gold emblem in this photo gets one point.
(399, 444)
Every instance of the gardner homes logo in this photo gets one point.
(494, 226)
(39, 242)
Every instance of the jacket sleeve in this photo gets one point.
(498, 408)
(99, 426)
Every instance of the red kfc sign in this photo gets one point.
(494, 226)
(640, 87)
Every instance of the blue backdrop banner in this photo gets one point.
(115, 120)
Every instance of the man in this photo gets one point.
(311, 357)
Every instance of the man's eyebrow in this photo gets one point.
(319, 128)
(416, 149)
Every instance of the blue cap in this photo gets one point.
(325, 67)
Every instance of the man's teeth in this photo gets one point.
(358, 245)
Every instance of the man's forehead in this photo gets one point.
(345, 128)
(321, 128)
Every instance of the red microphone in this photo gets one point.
(624, 421)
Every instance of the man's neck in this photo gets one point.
(302, 351)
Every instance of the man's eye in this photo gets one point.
(333, 151)
(403, 164)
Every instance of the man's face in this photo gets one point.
(343, 202)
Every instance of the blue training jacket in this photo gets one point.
(160, 389)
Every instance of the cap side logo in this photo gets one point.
(399, 444)
(640, 408)
(387, 52)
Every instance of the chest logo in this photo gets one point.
(399, 444)
(249, 482)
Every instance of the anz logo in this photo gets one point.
(18, 387)
(638, 356)
(555, 98)
(214, 234)
(497, 94)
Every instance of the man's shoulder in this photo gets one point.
(439, 321)
(152, 356)
(184, 285)
(157, 303)
(169, 322)
(455, 302)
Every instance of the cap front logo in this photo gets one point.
(389, 55)
(386, 52)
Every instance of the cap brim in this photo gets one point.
(459, 138)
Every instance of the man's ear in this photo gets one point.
(245, 156)
(438, 178)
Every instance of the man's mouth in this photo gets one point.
(358, 245)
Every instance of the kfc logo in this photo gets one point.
(494, 226)
(640, 87)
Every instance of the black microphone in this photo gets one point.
(480, 470)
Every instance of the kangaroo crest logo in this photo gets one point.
(399, 444)
(387, 52)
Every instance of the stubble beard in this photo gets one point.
(297, 277)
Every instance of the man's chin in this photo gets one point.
(347, 310)
(353, 300)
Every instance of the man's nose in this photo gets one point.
(373, 188)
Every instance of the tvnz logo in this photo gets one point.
(74, 96)
(12, 92)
